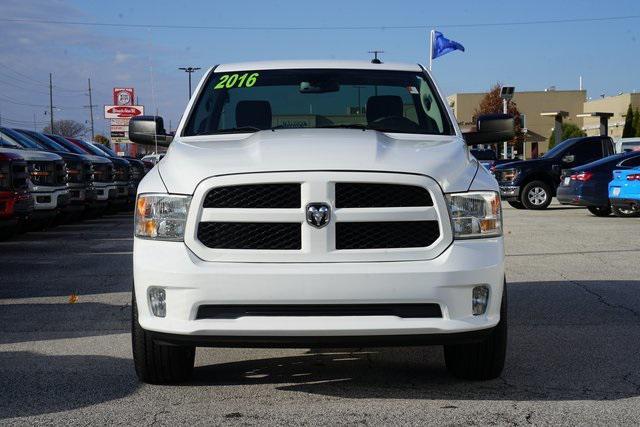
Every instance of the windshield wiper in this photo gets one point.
(241, 129)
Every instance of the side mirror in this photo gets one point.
(490, 129)
(568, 158)
(148, 130)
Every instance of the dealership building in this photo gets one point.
(532, 104)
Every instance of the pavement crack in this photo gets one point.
(602, 300)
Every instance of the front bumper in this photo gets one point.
(509, 192)
(46, 199)
(189, 282)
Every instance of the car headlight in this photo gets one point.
(161, 216)
(508, 175)
(475, 214)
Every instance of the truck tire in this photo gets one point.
(600, 210)
(157, 363)
(515, 204)
(536, 195)
(625, 212)
(482, 360)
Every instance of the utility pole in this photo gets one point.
(189, 71)
(91, 110)
(51, 101)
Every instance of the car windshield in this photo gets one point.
(250, 101)
(22, 139)
(91, 148)
(8, 142)
(105, 149)
(48, 143)
(66, 144)
(559, 148)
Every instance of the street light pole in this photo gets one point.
(189, 71)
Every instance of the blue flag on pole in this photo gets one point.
(442, 45)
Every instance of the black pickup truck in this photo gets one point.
(531, 184)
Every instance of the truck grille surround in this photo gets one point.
(48, 173)
(373, 217)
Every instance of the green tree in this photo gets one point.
(636, 122)
(569, 130)
(628, 131)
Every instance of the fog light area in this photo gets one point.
(158, 302)
(479, 300)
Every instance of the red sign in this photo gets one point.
(120, 111)
(123, 96)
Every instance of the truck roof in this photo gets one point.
(328, 64)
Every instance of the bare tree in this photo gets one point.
(68, 128)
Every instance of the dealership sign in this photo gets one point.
(123, 96)
(122, 112)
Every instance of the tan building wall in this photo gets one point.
(531, 104)
(611, 104)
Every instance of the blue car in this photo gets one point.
(624, 190)
(588, 185)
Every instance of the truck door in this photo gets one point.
(584, 153)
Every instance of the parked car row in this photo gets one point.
(49, 178)
(581, 171)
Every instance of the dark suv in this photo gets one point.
(531, 184)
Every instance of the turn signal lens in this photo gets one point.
(475, 214)
(161, 216)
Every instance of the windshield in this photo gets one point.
(66, 144)
(559, 148)
(22, 139)
(48, 143)
(90, 148)
(105, 149)
(388, 101)
(7, 141)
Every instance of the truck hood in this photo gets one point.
(32, 155)
(443, 158)
(521, 164)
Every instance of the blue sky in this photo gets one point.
(531, 57)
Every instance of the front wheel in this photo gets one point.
(483, 360)
(536, 195)
(515, 204)
(626, 212)
(157, 363)
(600, 210)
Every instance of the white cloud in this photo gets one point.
(121, 57)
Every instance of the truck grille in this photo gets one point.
(19, 175)
(379, 235)
(374, 216)
(257, 196)
(246, 235)
(374, 195)
(48, 173)
(102, 172)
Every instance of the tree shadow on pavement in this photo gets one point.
(567, 341)
(42, 384)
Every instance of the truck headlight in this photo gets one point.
(475, 214)
(161, 216)
(508, 175)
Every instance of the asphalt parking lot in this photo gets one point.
(573, 357)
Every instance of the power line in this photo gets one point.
(325, 28)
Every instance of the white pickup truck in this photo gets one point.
(318, 204)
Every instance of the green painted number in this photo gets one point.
(228, 81)
(222, 81)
